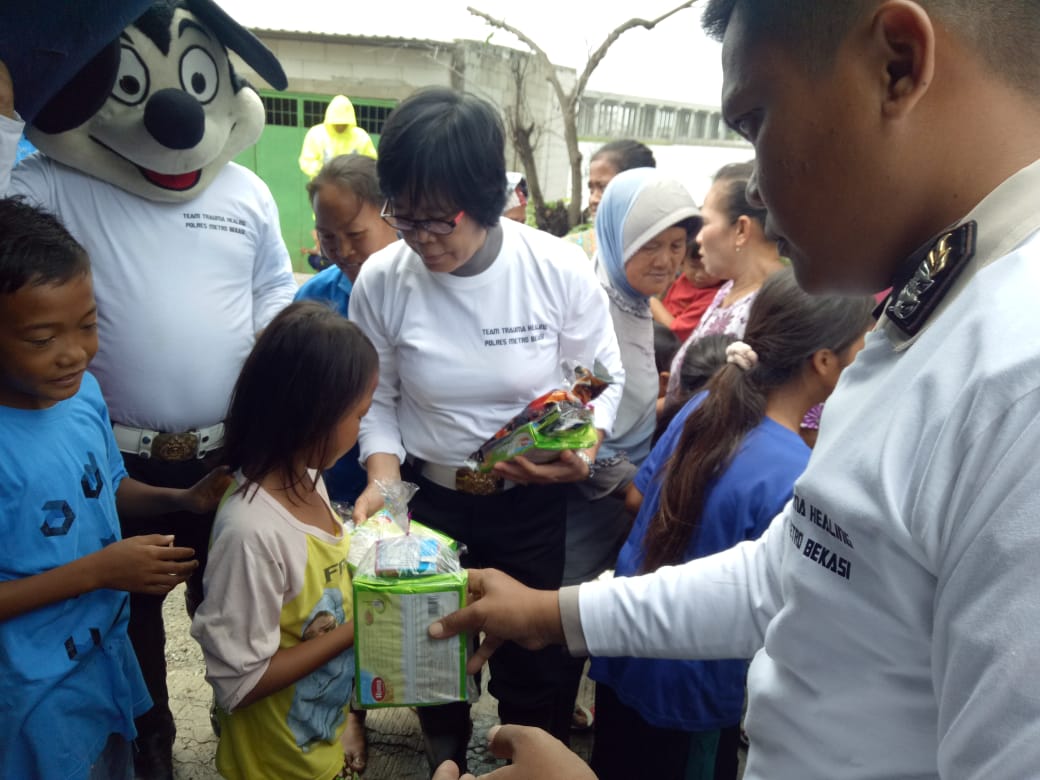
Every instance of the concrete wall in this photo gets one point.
(391, 69)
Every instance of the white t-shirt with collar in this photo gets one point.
(459, 356)
(893, 608)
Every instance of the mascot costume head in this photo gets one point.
(157, 108)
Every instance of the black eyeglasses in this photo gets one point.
(439, 227)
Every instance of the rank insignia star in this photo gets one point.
(933, 272)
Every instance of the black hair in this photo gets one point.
(445, 150)
(35, 248)
(155, 23)
(309, 367)
(702, 359)
(732, 181)
(666, 343)
(355, 173)
(785, 327)
(999, 32)
(625, 154)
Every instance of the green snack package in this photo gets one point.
(558, 420)
(540, 441)
(398, 664)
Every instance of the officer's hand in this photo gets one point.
(503, 609)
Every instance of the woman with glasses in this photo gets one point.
(472, 315)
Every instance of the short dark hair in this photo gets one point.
(625, 154)
(355, 173)
(999, 32)
(666, 344)
(309, 366)
(732, 181)
(445, 148)
(35, 248)
(702, 359)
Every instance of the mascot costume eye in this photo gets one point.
(159, 111)
(137, 112)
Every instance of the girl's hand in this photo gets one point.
(143, 564)
(204, 496)
(368, 503)
(569, 468)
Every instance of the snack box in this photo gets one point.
(398, 663)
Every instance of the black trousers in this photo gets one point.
(156, 728)
(626, 746)
(521, 532)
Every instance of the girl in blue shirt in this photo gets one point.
(723, 469)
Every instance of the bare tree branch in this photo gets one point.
(569, 101)
(537, 50)
(597, 56)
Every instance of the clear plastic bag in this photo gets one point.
(405, 577)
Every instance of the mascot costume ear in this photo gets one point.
(158, 110)
(45, 43)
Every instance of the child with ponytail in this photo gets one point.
(723, 469)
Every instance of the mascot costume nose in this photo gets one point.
(137, 112)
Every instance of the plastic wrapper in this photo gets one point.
(559, 420)
(405, 577)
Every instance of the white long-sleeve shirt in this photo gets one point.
(459, 356)
(182, 288)
(894, 606)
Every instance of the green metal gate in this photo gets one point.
(274, 157)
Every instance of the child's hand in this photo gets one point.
(205, 495)
(144, 564)
(368, 503)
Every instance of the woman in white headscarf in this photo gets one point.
(643, 224)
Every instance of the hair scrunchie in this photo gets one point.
(742, 355)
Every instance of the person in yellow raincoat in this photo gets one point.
(338, 134)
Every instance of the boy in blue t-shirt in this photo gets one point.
(70, 685)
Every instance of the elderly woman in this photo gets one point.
(645, 221)
(472, 315)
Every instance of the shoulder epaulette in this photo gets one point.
(932, 274)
